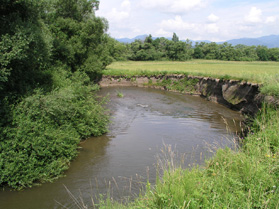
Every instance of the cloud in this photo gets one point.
(212, 18)
(271, 19)
(118, 15)
(126, 5)
(174, 6)
(162, 33)
(212, 28)
(176, 24)
(254, 16)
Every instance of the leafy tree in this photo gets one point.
(273, 54)
(211, 51)
(227, 52)
(175, 38)
(80, 41)
(262, 53)
(118, 51)
(23, 47)
(177, 51)
(148, 39)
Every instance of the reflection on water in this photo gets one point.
(142, 121)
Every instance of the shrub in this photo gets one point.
(46, 130)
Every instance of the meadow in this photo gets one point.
(263, 73)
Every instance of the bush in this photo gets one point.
(46, 130)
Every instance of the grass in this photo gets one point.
(264, 73)
(120, 94)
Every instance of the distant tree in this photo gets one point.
(118, 51)
(273, 54)
(262, 53)
(177, 51)
(175, 38)
(198, 54)
(226, 52)
(148, 39)
(211, 51)
(189, 49)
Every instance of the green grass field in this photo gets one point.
(266, 73)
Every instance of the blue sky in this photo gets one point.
(214, 20)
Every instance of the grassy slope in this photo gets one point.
(266, 73)
(247, 178)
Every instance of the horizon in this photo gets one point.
(214, 20)
(192, 39)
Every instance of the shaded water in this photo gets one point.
(142, 122)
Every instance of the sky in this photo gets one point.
(214, 20)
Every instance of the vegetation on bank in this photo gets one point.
(51, 54)
(264, 73)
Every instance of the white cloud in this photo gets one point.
(118, 15)
(126, 5)
(174, 6)
(162, 33)
(212, 18)
(212, 28)
(176, 24)
(271, 19)
(254, 16)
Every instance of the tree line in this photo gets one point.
(174, 49)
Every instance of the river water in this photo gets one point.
(143, 123)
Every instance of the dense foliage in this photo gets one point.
(165, 49)
(51, 52)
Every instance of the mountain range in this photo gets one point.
(270, 41)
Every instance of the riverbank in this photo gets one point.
(246, 178)
(236, 95)
(263, 73)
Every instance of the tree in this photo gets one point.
(80, 42)
(175, 38)
(211, 51)
(273, 54)
(262, 53)
(24, 48)
(226, 52)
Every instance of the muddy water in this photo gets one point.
(142, 122)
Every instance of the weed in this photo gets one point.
(120, 94)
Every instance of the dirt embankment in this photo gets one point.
(240, 96)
